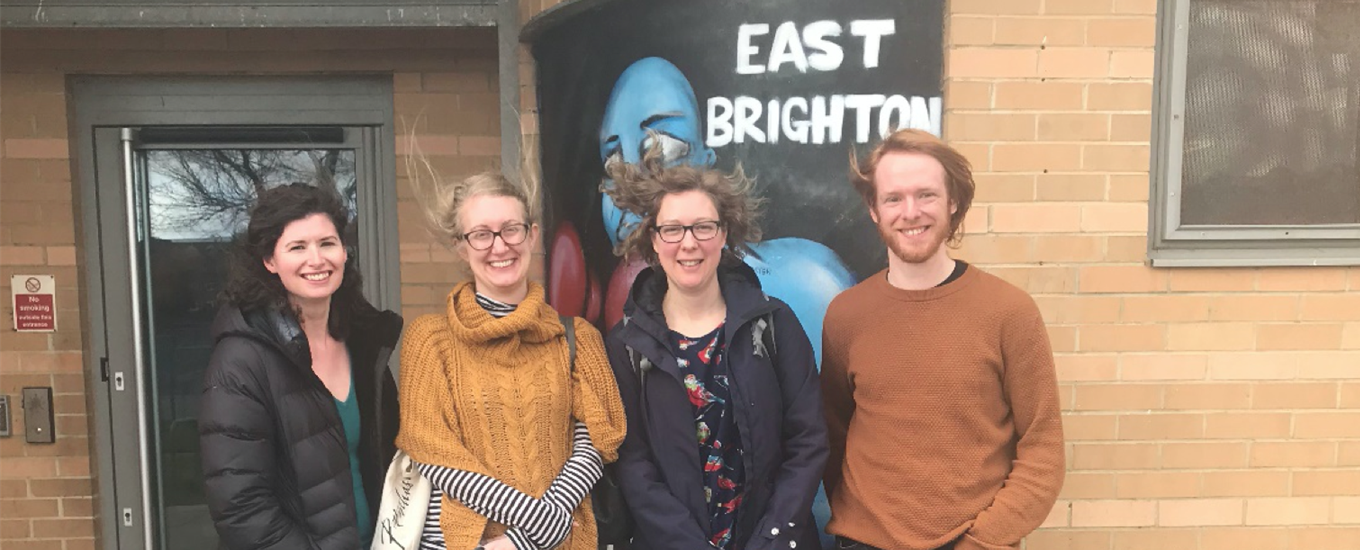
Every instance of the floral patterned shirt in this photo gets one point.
(702, 364)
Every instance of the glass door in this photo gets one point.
(187, 197)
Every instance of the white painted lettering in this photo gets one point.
(795, 130)
(772, 121)
(827, 119)
(825, 55)
(873, 31)
(863, 104)
(719, 122)
(745, 49)
(895, 105)
(920, 115)
(746, 120)
(787, 48)
(936, 115)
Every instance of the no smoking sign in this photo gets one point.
(35, 303)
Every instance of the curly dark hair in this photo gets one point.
(639, 188)
(251, 286)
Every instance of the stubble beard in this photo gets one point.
(891, 238)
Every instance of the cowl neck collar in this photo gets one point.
(532, 321)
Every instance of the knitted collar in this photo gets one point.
(532, 321)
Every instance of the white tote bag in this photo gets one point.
(405, 501)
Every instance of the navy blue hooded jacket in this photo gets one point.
(778, 412)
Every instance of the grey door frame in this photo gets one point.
(103, 105)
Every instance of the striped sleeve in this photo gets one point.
(545, 524)
(583, 468)
(541, 523)
(519, 539)
(433, 536)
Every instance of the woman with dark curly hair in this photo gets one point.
(726, 440)
(299, 409)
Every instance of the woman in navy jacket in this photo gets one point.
(726, 440)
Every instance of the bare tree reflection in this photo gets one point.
(207, 193)
(199, 200)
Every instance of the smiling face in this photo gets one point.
(690, 265)
(501, 272)
(309, 259)
(912, 208)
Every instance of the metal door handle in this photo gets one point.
(138, 353)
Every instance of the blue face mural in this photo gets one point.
(652, 99)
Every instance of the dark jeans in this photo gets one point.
(843, 543)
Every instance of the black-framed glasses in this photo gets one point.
(511, 235)
(674, 233)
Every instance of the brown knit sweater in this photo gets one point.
(943, 412)
(492, 396)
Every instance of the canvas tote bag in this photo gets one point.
(405, 501)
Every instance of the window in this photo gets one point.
(1257, 133)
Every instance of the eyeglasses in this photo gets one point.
(675, 233)
(511, 235)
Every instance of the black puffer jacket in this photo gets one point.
(274, 457)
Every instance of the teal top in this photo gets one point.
(349, 416)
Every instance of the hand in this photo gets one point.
(499, 543)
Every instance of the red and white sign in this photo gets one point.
(35, 303)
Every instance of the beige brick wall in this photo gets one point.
(445, 90)
(1204, 408)
(46, 493)
(454, 119)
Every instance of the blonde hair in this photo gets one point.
(639, 188)
(442, 199)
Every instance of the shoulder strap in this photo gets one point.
(569, 325)
(768, 335)
(640, 366)
(640, 362)
(762, 336)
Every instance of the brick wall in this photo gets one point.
(454, 119)
(445, 90)
(1205, 408)
(45, 490)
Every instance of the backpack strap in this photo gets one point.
(768, 335)
(569, 326)
(762, 337)
(640, 365)
(640, 362)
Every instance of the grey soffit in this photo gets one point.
(245, 14)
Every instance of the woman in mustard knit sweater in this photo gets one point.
(509, 432)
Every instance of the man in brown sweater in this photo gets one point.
(937, 377)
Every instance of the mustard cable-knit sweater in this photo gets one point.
(493, 396)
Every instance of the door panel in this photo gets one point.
(198, 201)
(177, 273)
(190, 204)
